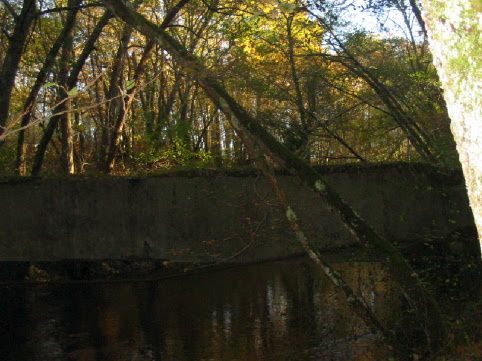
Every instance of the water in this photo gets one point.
(275, 311)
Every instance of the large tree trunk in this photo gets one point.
(454, 31)
(12, 57)
(425, 307)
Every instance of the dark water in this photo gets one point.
(275, 311)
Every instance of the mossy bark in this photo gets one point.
(454, 32)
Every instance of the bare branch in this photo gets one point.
(67, 8)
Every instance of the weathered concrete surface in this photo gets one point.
(216, 216)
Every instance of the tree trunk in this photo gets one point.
(418, 15)
(215, 140)
(426, 308)
(65, 103)
(454, 32)
(140, 69)
(12, 58)
(116, 104)
(303, 147)
(127, 103)
(39, 81)
(71, 83)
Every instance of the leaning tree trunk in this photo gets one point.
(454, 31)
(71, 83)
(39, 81)
(425, 307)
(355, 302)
(13, 55)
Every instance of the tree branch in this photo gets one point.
(67, 8)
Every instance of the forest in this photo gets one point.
(83, 93)
(146, 87)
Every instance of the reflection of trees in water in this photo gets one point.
(119, 323)
(277, 311)
(263, 311)
(342, 335)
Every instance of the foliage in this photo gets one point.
(278, 58)
(176, 156)
(7, 158)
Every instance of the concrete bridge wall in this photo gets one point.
(216, 216)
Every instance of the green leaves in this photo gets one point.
(73, 92)
(49, 85)
(130, 84)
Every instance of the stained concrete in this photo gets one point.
(205, 216)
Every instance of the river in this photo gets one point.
(276, 311)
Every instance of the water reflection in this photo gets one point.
(276, 311)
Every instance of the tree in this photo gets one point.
(11, 61)
(39, 82)
(454, 32)
(132, 90)
(264, 145)
(352, 49)
(274, 58)
(70, 84)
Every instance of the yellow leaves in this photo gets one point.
(266, 37)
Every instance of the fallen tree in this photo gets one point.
(426, 309)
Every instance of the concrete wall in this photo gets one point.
(215, 216)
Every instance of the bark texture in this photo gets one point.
(454, 31)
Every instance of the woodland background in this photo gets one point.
(93, 96)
